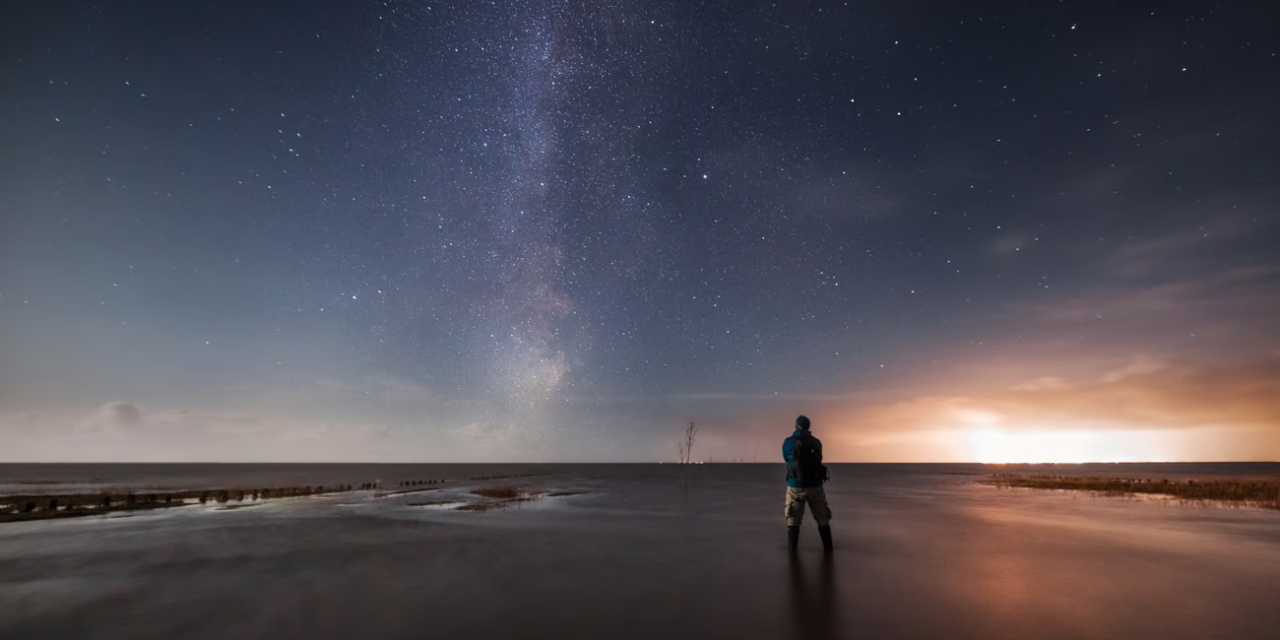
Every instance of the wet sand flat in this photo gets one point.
(923, 551)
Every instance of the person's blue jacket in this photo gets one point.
(788, 454)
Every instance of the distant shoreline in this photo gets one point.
(1263, 493)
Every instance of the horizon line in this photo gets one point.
(659, 462)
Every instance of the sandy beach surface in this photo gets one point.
(923, 551)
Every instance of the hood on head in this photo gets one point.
(802, 425)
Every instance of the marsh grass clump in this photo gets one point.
(503, 491)
(480, 506)
(1261, 493)
(431, 503)
(499, 496)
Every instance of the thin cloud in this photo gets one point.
(113, 418)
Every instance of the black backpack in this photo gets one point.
(806, 461)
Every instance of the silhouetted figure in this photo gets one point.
(805, 477)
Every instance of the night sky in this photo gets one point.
(560, 231)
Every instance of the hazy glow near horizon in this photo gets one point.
(1001, 446)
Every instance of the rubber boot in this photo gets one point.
(825, 532)
(793, 538)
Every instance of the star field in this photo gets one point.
(561, 230)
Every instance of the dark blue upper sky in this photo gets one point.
(561, 230)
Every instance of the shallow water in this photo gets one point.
(922, 552)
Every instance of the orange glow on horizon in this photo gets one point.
(1000, 446)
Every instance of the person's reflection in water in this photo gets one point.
(813, 607)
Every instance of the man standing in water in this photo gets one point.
(805, 476)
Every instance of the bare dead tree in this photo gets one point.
(686, 452)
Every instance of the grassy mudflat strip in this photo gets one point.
(19, 508)
(505, 495)
(1262, 493)
(500, 496)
